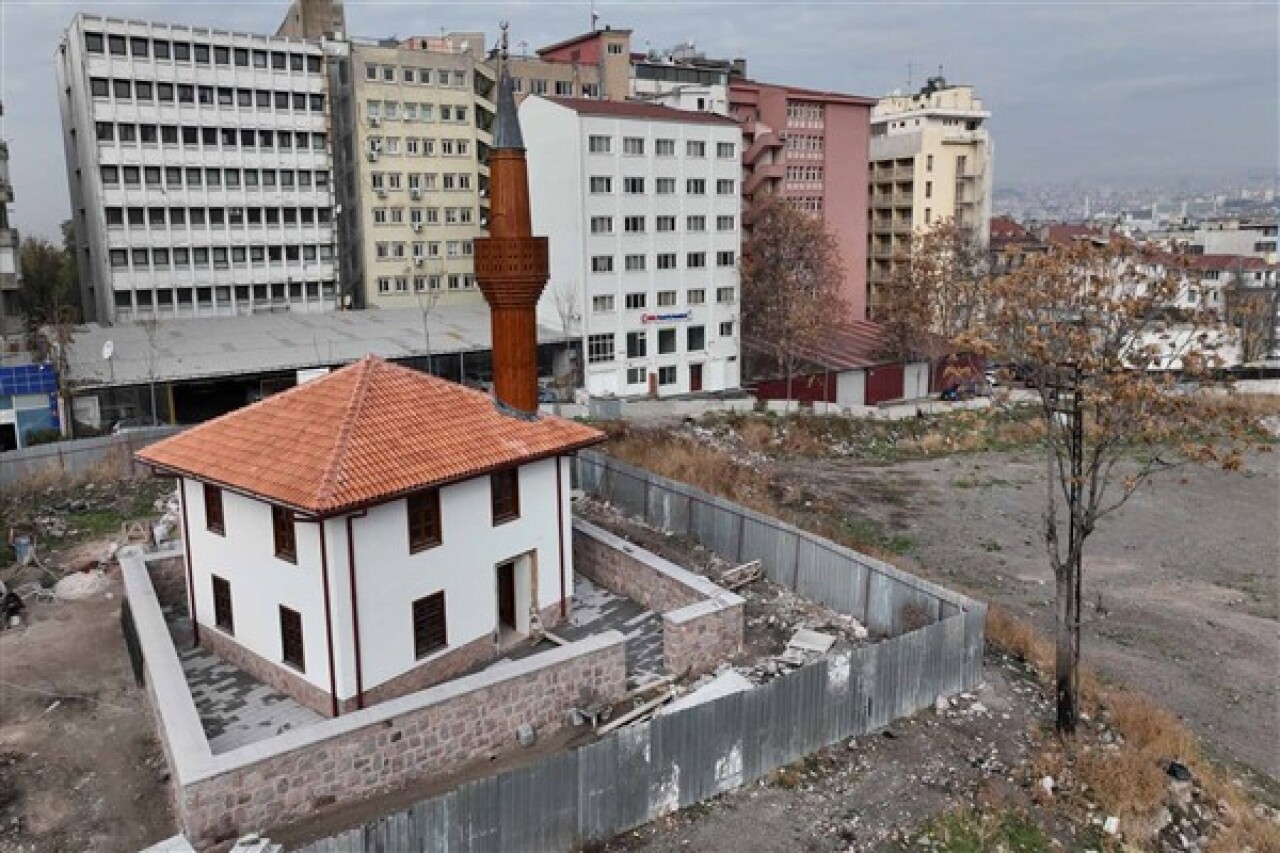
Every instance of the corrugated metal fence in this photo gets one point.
(646, 770)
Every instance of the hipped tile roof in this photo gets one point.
(361, 435)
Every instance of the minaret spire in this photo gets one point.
(511, 264)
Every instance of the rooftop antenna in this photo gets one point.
(910, 73)
(502, 45)
(594, 16)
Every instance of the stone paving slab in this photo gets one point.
(234, 707)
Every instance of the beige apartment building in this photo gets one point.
(413, 126)
(592, 65)
(930, 161)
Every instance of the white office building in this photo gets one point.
(199, 170)
(642, 207)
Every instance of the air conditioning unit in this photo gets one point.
(415, 193)
(374, 121)
(373, 156)
(380, 193)
(417, 226)
(419, 261)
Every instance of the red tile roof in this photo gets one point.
(1066, 235)
(638, 110)
(1225, 262)
(850, 346)
(362, 435)
(1007, 227)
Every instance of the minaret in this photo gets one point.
(511, 264)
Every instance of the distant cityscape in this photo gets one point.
(1253, 197)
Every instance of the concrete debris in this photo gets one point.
(730, 681)
(811, 641)
(81, 585)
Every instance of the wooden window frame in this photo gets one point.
(215, 521)
(424, 507)
(505, 510)
(220, 586)
(284, 534)
(428, 642)
(289, 633)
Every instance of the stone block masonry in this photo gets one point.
(426, 735)
(702, 624)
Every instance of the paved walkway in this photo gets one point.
(596, 610)
(235, 708)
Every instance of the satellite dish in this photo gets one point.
(108, 349)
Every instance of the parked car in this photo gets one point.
(125, 425)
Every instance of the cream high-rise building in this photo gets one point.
(412, 122)
(931, 160)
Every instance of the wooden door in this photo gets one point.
(507, 595)
(695, 377)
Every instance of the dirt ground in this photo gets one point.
(80, 768)
(1180, 590)
(876, 791)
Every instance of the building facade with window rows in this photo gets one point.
(199, 170)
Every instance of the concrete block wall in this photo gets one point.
(702, 623)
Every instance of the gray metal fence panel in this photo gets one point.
(614, 777)
(473, 820)
(538, 805)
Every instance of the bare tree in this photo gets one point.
(1089, 324)
(568, 304)
(791, 276)
(427, 305)
(1252, 312)
(150, 325)
(934, 293)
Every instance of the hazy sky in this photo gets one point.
(1144, 91)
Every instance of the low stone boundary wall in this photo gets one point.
(108, 457)
(702, 623)
(297, 774)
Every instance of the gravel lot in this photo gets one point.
(1180, 592)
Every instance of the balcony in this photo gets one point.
(763, 142)
(901, 173)
(891, 200)
(760, 174)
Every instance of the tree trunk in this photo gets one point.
(1067, 662)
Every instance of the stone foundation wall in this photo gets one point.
(430, 734)
(272, 674)
(702, 623)
(700, 637)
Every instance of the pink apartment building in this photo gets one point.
(810, 148)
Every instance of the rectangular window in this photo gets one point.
(725, 295)
(725, 186)
(635, 375)
(695, 186)
(602, 225)
(667, 375)
(504, 489)
(725, 150)
(666, 186)
(601, 304)
(636, 344)
(725, 259)
(633, 186)
(223, 617)
(695, 223)
(633, 145)
(696, 260)
(601, 185)
(696, 338)
(282, 530)
(666, 298)
(93, 42)
(291, 649)
(633, 224)
(599, 144)
(564, 87)
(602, 263)
(666, 223)
(697, 296)
(635, 300)
(424, 520)
(726, 329)
(599, 348)
(430, 632)
(724, 223)
(665, 147)
(666, 341)
(695, 149)
(634, 263)
(667, 261)
(213, 517)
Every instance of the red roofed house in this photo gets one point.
(380, 530)
(372, 532)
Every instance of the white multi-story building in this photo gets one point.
(642, 207)
(199, 169)
(10, 262)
